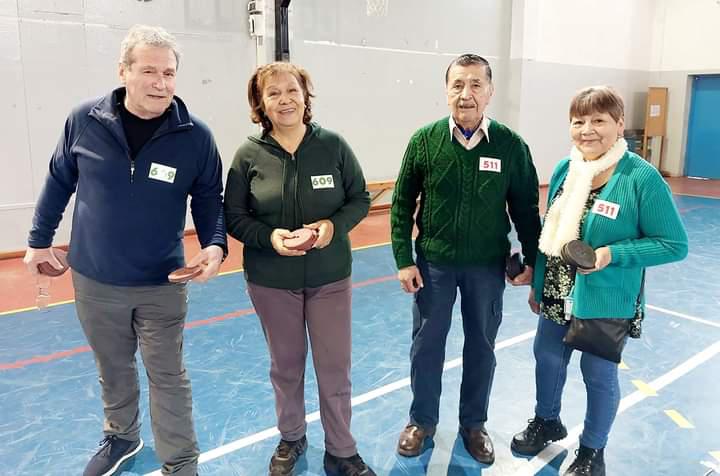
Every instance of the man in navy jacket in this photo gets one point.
(132, 158)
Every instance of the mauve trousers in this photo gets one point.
(288, 317)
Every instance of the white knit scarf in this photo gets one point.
(562, 221)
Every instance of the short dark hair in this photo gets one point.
(257, 82)
(468, 59)
(597, 99)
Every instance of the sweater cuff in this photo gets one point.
(265, 241)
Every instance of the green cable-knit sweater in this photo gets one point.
(463, 216)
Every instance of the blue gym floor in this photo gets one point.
(51, 414)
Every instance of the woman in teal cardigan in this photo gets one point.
(616, 202)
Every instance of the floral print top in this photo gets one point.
(559, 280)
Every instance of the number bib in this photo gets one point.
(606, 209)
(162, 172)
(322, 181)
(490, 165)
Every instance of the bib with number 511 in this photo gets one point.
(490, 164)
(606, 209)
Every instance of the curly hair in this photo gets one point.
(257, 83)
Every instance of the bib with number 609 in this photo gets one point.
(322, 181)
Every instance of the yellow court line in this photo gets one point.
(679, 420)
(224, 273)
(14, 311)
(716, 455)
(623, 365)
(645, 388)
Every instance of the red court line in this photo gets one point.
(202, 322)
(44, 358)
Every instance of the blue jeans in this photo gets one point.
(481, 291)
(600, 376)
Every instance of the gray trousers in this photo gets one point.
(287, 317)
(115, 319)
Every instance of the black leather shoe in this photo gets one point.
(286, 455)
(588, 462)
(539, 432)
(478, 444)
(352, 466)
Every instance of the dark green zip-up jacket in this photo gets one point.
(269, 188)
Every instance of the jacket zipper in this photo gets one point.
(296, 206)
(132, 169)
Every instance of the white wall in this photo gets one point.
(686, 42)
(55, 53)
(561, 46)
(379, 78)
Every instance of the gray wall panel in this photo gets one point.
(51, 9)
(213, 82)
(62, 52)
(380, 78)
(55, 67)
(16, 179)
(8, 7)
(546, 91)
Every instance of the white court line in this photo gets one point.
(683, 316)
(530, 468)
(360, 399)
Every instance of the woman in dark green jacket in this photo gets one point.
(294, 175)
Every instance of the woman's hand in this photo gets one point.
(277, 237)
(325, 229)
(603, 257)
(534, 306)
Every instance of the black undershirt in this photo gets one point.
(138, 131)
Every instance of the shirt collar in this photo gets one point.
(484, 128)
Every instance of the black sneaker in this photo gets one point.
(112, 454)
(539, 432)
(286, 455)
(352, 466)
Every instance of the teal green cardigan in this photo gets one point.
(647, 231)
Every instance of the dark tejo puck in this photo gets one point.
(579, 254)
(302, 239)
(183, 275)
(514, 265)
(48, 270)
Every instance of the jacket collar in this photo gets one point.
(266, 139)
(106, 112)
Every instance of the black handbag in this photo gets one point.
(604, 337)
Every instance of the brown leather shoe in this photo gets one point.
(478, 444)
(412, 439)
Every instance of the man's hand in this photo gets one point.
(534, 306)
(35, 256)
(277, 237)
(209, 259)
(410, 279)
(603, 257)
(523, 278)
(325, 229)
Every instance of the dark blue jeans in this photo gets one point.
(600, 376)
(481, 292)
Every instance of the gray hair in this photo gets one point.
(150, 36)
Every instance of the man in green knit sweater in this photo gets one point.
(470, 173)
